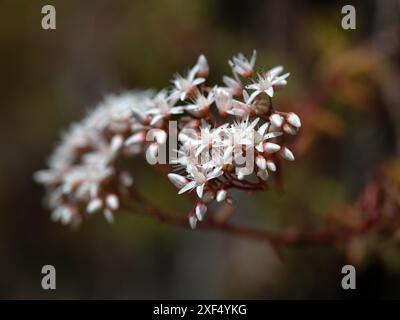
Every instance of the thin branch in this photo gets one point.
(323, 237)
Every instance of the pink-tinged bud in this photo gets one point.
(203, 68)
(192, 221)
(200, 210)
(293, 119)
(108, 215)
(94, 205)
(263, 174)
(177, 180)
(270, 147)
(289, 129)
(276, 120)
(126, 179)
(112, 202)
(287, 154)
(271, 166)
(138, 137)
(261, 162)
(221, 195)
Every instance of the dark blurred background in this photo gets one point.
(344, 84)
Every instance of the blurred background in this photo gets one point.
(344, 84)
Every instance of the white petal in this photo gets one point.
(260, 147)
(155, 119)
(253, 96)
(270, 91)
(275, 71)
(263, 128)
(198, 81)
(272, 135)
(188, 186)
(135, 138)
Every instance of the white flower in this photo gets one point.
(185, 86)
(201, 104)
(242, 109)
(266, 83)
(242, 66)
(163, 106)
(83, 174)
(199, 176)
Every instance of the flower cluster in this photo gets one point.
(228, 137)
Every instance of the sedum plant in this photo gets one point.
(207, 139)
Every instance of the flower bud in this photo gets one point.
(270, 147)
(177, 180)
(200, 210)
(287, 154)
(276, 120)
(293, 119)
(221, 195)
